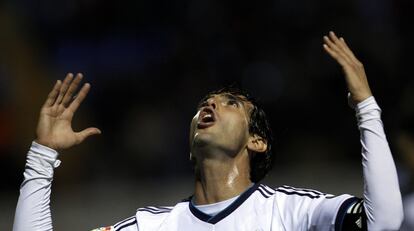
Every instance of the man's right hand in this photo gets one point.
(54, 128)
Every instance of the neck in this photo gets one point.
(218, 180)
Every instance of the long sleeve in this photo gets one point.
(382, 197)
(33, 206)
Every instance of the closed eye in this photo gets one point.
(233, 102)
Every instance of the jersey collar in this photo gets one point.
(225, 212)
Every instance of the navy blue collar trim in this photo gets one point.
(227, 211)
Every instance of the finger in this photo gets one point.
(333, 36)
(80, 97)
(334, 47)
(347, 52)
(53, 94)
(339, 42)
(64, 87)
(335, 39)
(72, 88)
(335, 55)
(82, 135)
(328, 41)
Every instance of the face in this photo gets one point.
(221, 124)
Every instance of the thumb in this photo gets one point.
(351, 101)
(82, 135)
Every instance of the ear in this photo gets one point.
(256, 144)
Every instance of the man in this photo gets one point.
(230, 148)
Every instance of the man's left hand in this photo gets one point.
(355, 76)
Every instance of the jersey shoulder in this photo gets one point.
(308, 199)
(145, 218)
(152, 217)
(304, 193)
(128, 224)
(286, 191)
(318, 209)
(154, 211)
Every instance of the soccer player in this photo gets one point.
(230, 145)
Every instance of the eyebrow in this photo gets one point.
(232, 97)
(246, 103)
(236, 98)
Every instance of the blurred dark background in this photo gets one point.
(150, 62)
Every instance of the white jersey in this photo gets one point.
(259, 208)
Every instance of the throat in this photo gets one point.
(218, 181)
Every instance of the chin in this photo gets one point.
(201, 140)
(204, 144)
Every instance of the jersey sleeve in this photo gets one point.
(307, 209)
(328, 212)
(33, 206)
(382, 198)
(350, 215)
(353, 219)
(381, 207)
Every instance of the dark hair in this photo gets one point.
(259, 125)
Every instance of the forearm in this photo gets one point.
(382, 197)
(33, 207)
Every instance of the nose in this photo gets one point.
(212, 102)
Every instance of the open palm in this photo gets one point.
(54, 128)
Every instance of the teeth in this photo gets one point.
(207, 118)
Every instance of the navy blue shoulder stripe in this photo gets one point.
(163, 207)
(263, 194)
(133, 222)
(297, 193)
(153, 212)
(123, 221)
(265, 191)
(303, 190)
(157, 208)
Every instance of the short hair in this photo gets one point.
(259, 125)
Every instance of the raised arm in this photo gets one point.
(54, 133)
(382, 198)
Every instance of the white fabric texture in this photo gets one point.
(260, 208)
(33, 206)
(382, 198)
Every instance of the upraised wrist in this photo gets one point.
(47, 154)
(45, 144)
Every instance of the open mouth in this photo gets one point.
(207, 118)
